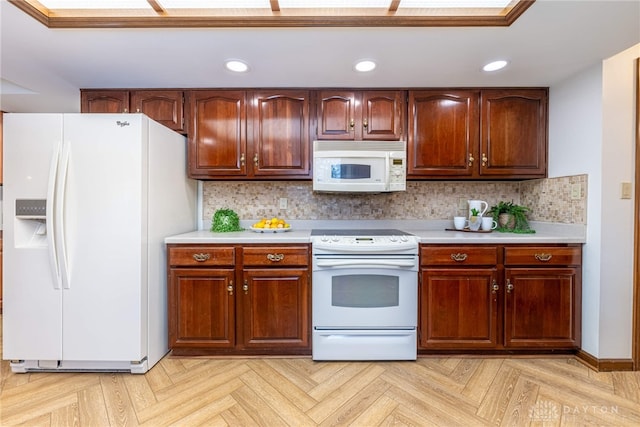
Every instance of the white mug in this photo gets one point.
(480, 205)
(488, 223)
(460, 222)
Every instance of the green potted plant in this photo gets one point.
(475, 220)
(511, 217)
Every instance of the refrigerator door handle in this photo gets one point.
(51, 217)
(59, 215)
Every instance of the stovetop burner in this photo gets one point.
(359, 232)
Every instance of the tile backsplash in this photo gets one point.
(549, 199)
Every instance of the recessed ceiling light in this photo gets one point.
(495, 65)
(236, 66)
(365, 66)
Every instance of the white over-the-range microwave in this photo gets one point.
(359, 166)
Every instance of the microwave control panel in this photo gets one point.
(397, 172)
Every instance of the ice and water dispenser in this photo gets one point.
(31, 223)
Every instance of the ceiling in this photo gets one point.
(43, 69)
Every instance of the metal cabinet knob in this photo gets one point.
(509, 286)
(495, 287)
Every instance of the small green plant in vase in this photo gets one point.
(511, 217)
(475, 220)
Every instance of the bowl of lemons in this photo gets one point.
(272, 225)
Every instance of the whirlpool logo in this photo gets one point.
(122, 124)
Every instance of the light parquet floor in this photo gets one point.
(448, 391)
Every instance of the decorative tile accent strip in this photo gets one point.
(422, 200)
(549, 199)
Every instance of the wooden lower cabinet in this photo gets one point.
(275, 309)
(484, 297)
(458, 308)
(239, 299)
(202, 308)
(543, 295)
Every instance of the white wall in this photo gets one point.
(575, 147)
(591, 130)
(618, 130)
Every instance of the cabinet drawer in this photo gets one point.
(276, 256)
(201, 256)
(459, 255)
(542, 255)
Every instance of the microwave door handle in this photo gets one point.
(380, 263)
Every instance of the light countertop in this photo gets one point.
(427, 231)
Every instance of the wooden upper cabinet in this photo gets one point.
(104, 101)
(513, 141)
(217, 134)
(279, 133)
(245, 134)
(163, 106)
(361, 115)
(477, 134)
(443, 133)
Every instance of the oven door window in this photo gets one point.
(365, 291)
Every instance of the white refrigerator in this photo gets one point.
(88, 201)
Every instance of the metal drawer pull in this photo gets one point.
(201, 257)
(543, 257)
(495, 287)
(230, 288)
(245, 287)
(275, 257)
(459, 257)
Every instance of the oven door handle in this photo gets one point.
(366, 262)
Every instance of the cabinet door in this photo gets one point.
(444, 133)
(514, 133)
(104, 101)
(542, 307)
(201, 308)
(217, 134)
(383, 115)
(336, 115)
(458, 309)
(280, 133)
(163, 106)
(275, 309)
